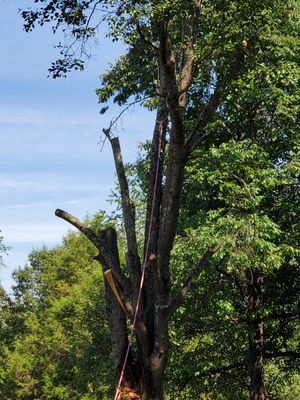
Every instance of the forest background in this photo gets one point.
(238, 330)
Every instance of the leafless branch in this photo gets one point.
(105, 256)
(115, 120)
(128, 209)
(214, 371)
(91, 14)
(197, 134)
(82, 227)
(238, 178)
(143, 37)
(180, 297)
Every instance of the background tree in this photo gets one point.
(252, 237)
(56, 329)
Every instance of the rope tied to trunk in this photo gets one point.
(146, 258)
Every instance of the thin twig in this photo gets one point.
(113, 121)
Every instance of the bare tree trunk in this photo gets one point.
(153, 392)
(256, 335)
(143, 372)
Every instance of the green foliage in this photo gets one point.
(56, 349)
(236, 194)
(227, 195)
(241, 189)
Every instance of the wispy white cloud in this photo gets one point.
(43, 204)
(50, 183)
(21, 116)
(34, 233)
(38, 115)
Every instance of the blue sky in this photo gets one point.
(49, 135)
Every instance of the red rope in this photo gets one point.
(118, 392)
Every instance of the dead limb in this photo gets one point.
(128, 208)
(103, 241)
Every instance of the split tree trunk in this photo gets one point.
(256, 335)
(147, 360)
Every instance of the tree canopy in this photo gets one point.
(209, 231)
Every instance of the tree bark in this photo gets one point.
(153, 217)
(255, 334)
(144, 377)
(144, 372)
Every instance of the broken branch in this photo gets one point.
(127, 207)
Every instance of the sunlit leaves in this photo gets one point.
(58, 329)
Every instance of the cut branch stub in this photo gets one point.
(106, 243)
(79, 225)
